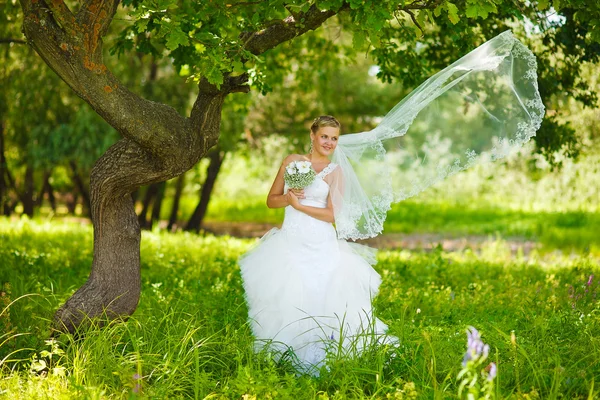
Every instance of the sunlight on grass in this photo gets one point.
(189, 336)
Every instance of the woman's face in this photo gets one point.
(325, 140)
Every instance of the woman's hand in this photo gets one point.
(299, 193)
(292, 199)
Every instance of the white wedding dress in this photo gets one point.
(307, 291)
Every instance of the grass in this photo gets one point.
(567, 230)
(189, 337)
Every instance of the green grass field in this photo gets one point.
(568, 230)
(189, 337)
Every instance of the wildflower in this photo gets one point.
(492, 370)
(475, 346)
(589, 282)
(137, 387)
(332, 337)
(418, 311)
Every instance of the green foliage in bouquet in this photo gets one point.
(299, 174)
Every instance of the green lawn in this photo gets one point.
(189, 337)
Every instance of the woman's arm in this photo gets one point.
(276, 197)
(323, 214)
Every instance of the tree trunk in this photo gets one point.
(158, 143)
(150, 194)
(176, 199)
(216, 158)
(113, 288)
(50, 192)
(157, 204)
(81, 187)
(3, 181)
(39, 200)
(72, 199)
(28, 196)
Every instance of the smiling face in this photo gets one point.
(325, 140)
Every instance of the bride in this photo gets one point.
(305, 288)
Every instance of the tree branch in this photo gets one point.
(77, 59)
(421, 5)
(283, 30)
(95, 16)
(63, 16)
(414, 20)
(12, 40)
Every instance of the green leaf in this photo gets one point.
(176, 38)
(453, 13)
(359, 39)
(472, 11)
(200, 48)
(421, 17)
(556, 5)
(142, 24)
(238, 67)
(543, 4)
(185, 70)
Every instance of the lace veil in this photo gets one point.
(478, 109)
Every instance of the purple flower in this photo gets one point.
(475, 346)
(138, 386)
(589, 282)
(332, 337)
(492, 372)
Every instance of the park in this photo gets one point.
(139, 141)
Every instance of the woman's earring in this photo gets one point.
(311, 147)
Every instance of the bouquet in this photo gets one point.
(299, 174)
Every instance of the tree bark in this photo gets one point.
(216, 158)
(176, 199)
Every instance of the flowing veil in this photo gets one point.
(478, 109)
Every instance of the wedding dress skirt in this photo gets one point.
(307, 291)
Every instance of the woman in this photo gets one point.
(305, 288)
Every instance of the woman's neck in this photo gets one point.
(317, 159)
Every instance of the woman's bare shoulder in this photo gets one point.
(293, 157)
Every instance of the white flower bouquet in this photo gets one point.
(299, 174)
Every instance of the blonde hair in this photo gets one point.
(324, 120)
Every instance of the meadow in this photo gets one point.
(538, 310)
(189, 338)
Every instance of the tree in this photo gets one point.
(225, 48)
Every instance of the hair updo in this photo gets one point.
(324, 120)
